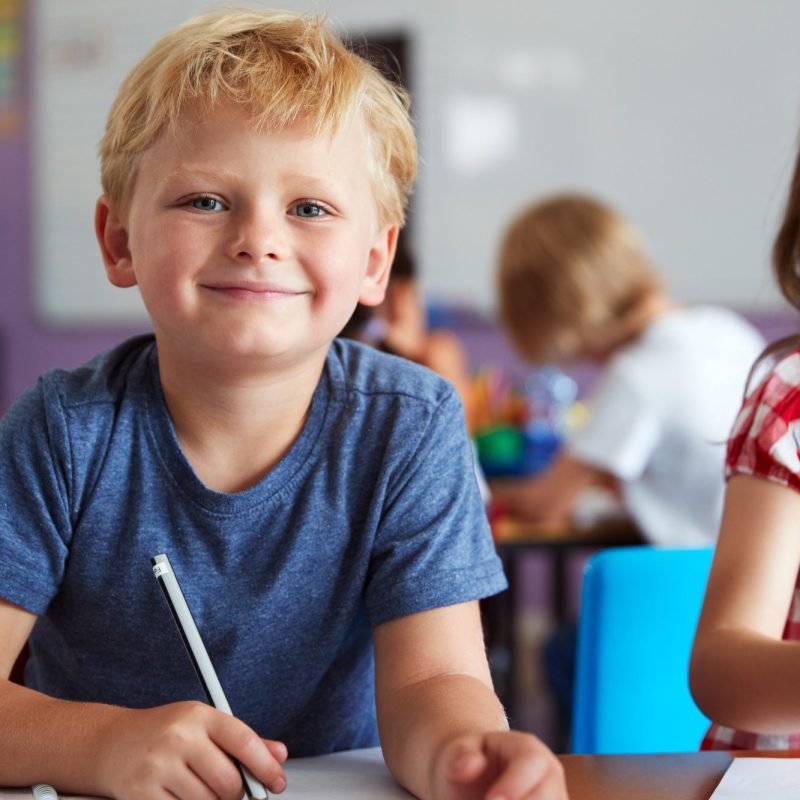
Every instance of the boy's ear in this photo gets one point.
(381, 255)
(112, 237)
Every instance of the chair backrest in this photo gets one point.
(639, 610)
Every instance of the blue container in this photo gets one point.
(541, 443)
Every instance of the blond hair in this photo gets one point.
(572, 275)
(283, 68)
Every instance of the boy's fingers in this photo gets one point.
(529, 771)
(238, 740)
(278, 749)
(187, 783)
(466, 764)
(518, 779)
(458, 756)
(218, 774)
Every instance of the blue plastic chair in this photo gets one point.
(639, 610)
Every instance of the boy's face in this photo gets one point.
(249, 244)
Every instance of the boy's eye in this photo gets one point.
(309, 209)
(206, 202)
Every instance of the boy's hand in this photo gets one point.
(184, 751)
(507, 765)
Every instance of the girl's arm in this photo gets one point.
(443, 731)
(742, 674)
(164, 752)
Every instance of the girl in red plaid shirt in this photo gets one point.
(745, 669)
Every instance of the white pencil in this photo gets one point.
(206, 673)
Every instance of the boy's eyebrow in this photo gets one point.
(199, 172)
(222, 174)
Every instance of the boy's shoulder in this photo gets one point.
(84, 392)
(700, 326)
(711, 337)
(355, 367)
(106, 377)
(72, 412)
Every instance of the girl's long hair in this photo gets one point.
(786, 249)
(786, 268)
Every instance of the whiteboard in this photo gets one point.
(683, 114)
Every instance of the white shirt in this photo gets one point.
(660, 417)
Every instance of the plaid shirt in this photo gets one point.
(765, 442)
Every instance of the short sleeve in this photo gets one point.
(34, 510)
(622, 430)
(433, 547)
(765, 435)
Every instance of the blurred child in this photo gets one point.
(576, 283)
(399, 326)
(746, 655)
(316, 498)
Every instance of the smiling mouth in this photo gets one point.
(253, 293)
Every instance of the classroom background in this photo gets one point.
(681, 114)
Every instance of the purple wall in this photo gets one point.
(27, 346)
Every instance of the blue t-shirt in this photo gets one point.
(373, 514)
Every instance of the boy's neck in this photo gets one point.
(636, 323)
(234, 427)
(651, 308)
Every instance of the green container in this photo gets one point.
(501, 450)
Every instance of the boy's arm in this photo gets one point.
(120, 752)
(550, 496)
(443, 731)
(743, 674)
(30, 749)
(16, 625)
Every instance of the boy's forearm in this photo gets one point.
(419, 720)
(44, 740)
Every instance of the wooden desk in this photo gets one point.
(681, 776)
(558, 543)
(513, 537)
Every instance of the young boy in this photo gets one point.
(575, 282)
(317, 500)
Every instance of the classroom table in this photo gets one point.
(352, 775)
(668, 776)
(515, 539)
(362, 775)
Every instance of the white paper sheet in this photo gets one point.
(354, 775)
(752, 778)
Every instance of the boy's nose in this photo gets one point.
(257, 237)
